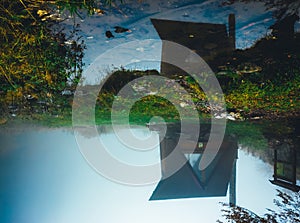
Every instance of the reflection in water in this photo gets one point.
(44, 178)
(285, 167)
(189, 181)
(283, 151)
(208, 40)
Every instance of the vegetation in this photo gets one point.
(38, 84)
(264, 79)
(288, 205)
(249, 134)
(34, 79)
(246, 96)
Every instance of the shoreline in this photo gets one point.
(48, 121)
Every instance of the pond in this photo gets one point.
(45, 177)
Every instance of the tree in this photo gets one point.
(289, 211)
(286, 13)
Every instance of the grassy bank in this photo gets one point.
(247, 98)
(262, 82)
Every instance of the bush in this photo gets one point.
(35, 62)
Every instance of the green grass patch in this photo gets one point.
(248, 133)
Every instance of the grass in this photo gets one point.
(246, 97)
(268, 99)
(270, 92)
(248, 133)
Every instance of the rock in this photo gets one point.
(248, 68)
(230, 117)
(109, 34)
(183, 104)
(66, 92)
(119, 29)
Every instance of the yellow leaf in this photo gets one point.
(48, 78)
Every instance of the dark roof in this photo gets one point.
(206, 39)
(189, 182)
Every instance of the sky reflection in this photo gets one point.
(44, 178)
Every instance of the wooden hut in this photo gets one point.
(210, 41)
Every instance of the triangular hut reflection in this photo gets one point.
(189, 181)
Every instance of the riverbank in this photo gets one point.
(246, 103)
(137, 117)
(256, 84)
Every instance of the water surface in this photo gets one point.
(45, 178)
